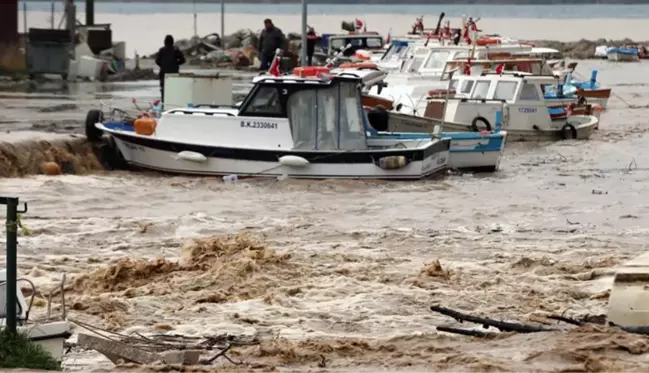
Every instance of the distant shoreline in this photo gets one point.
(381, 2)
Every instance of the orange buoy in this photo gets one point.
(307, 71)
(351, 65)
(145, 125)
(51, 168)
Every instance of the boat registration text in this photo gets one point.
(527, 110)
(265, 125)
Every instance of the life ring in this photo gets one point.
(474, 124)
(568, 132)
(94, 134)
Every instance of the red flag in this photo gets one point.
(500, 68)
(274, 67)
(467, 67)
(387, 40)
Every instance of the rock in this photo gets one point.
(250, 51)
(237, 57)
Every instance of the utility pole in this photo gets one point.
(304, 26)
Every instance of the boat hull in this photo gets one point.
(468, 150)
(163, 156)
(622, 57)
(51, 336)
(584, 128)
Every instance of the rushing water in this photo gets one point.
(320, 262)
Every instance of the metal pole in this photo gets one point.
(52, 14)
(222, 22)
(12, 229)
(304, 26)
(25, 17)
(90, 12)
(195, 16)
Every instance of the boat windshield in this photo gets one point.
(327, 118)
(395, 51)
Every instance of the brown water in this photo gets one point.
(345, 270)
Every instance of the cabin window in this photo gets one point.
(461, 55)
(529, 92)
(327, 119)
(453, 85)
(265, 102)
(505, 91)
(351, 132)
(437, 60)
(394, 50)
(413, 66)
(374, 42)
(481, 89)
(467, 85)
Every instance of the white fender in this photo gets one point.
(293, 161)
(191, 156)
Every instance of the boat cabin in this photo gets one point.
(372, 42)
(520, 97)
(307, 112)
(422, 62)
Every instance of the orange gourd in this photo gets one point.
(145, 125)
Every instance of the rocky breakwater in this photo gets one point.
(238, 50)
(583, 49)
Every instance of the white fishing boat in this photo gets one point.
(51, 335)
(299, 126)
(469, 151)
(526, 115)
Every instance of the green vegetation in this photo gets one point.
(17, 351)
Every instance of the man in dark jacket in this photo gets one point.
(169, 60)
(311, 39)
(270, 39)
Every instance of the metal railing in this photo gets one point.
(12, 249)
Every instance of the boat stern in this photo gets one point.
(50, 335)
(476, 151)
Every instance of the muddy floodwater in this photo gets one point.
(339, 275)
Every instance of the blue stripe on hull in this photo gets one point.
(495, 144)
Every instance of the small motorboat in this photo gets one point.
(469, 151)
(307, 125)
(51, 335)
(623, 54)
(518, 96)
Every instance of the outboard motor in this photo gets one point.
(378, 117)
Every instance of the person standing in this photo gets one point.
(270, 40)
(169, 59)
(311, 39)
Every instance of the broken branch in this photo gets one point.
(486, 322)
